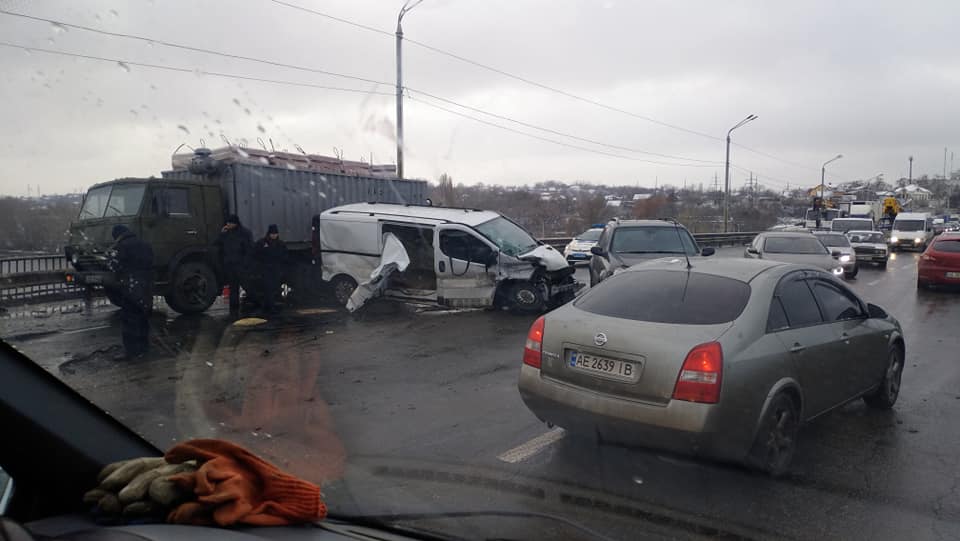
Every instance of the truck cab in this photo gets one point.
(176, 218)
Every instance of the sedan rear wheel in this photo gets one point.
(776, 439)
(886, 395)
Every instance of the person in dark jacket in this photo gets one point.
(235, 244)
(133, 265)
(271, 253)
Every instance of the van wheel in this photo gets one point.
(343, 286)
(193, 289)
(526, 297)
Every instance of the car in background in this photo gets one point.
(842, 225)
(578, 249)
(940, 262)
(794, 247)
(870, 247)
(725, 359)
(628, 242)
(840, 243)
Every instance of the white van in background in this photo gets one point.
(842, 225)
(911, 230)
(457, 257)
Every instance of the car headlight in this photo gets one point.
(894, 239)
(838, 271)
(844, 259)
(74, 259)
(916, 241)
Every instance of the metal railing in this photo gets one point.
(35, 278)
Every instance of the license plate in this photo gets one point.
(953, 275)
(604, 367)
(93, 279)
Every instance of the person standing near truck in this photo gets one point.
(271, 253)
(132, 264)
(235, 244)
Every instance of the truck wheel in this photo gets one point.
(343, 286)
(193, 288)
(526, 297)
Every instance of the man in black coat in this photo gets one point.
(133, 265)
(236, 244)
(271, 253)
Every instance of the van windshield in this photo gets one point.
(909, 225)
(509, 237)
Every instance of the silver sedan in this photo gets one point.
(725, 359)
(794, 247)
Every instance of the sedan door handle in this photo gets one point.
(797, 348)
(192, 232)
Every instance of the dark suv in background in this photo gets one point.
(627, 242)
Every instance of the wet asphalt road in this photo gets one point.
(417, 409)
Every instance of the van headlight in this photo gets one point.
(838, 271)
(894, 239)
(844, 259)
(916, 241)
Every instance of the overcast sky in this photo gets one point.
(875, 81)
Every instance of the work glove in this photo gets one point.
(138, 487)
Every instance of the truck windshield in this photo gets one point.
(509, 237)
(107, 201)
(909, 225)
(95, 203)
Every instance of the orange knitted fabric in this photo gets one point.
(234, 486)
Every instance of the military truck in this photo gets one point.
(181, 213)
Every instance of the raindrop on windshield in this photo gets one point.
(242, 153)
(261, 128)
(58, 28)
(50, 41)
(236, 102)
(27, 51)
(150, 43)
(245, 110)
(114, 13)
(291, 167)
(133, 112)
(153, 87)
(264, 161)
(123, 66)
(183, 128)
(144, 106)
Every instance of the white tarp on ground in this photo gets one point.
(393, 258)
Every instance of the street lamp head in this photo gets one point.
(838, 156)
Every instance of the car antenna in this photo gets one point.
(676, 227)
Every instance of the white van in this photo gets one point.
(911, 230)
(457, 257)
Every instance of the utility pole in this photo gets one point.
(403, 11)
(716, 189)
(726, 182)
(910, 175)
(944, 163)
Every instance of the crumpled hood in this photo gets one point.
(825, 262)
(548, 256)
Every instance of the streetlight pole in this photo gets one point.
(403, 11)
(910, 174)
(823, 179)
(726, 176)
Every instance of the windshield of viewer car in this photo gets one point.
(793, 245)
(508, 236)
(652, 240)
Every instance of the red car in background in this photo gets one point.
(940, 262)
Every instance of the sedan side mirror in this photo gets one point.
(876, 312)
(709, 250)
(836, 254)
(752, 250)
(596, 250)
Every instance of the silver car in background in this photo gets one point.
(870, 247)
(838, 242)
(725, 359)
(794, 247)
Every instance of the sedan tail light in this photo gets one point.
(531, 350)
(928, 257)
(700, 375)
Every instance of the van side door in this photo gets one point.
(466, 266)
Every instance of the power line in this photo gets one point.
(332, 17)
(334, 74)
(554, 141)
(128, 63)
(191, 48)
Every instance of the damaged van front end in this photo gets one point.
(536, 280)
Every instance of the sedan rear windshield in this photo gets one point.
(668, 296)
(836, 239)
(793, 245)
(653, 240)
(947, 245)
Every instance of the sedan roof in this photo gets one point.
(786, 234)
(729, 267)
